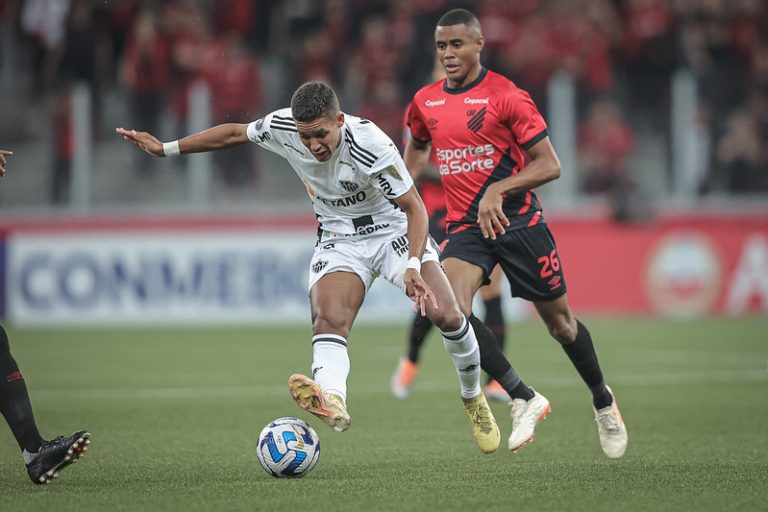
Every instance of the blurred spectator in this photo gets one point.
(235, 85)
(44, 22)
(605, 143)
(63, 143)
(742, 153)
(146, 77)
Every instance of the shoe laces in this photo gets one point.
(608, 421)
(482, 417)
(519, 408)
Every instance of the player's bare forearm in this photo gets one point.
(543, 168)
(3, 154)
(418, 224)
(219, 137)
(418, 221)
(416, 157)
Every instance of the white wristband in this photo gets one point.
(171, 148)
(414, 263)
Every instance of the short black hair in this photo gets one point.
(314, 100)
(459, 17)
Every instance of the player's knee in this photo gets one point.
(448, 319)
(562, 331)
(330, 324)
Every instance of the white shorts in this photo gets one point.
(384, 255)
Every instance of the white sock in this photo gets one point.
(330, 364)
(463, 348)
(28, 456)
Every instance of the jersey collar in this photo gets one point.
(461, 90)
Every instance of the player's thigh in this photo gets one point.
(531, 264)
(468, 260)
(465, 279)
(335, 299)
(492, 289)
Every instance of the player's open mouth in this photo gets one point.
(450, 68)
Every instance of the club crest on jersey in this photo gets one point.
(476, 121)
(394, 171)
(319, 265)
(349, 186)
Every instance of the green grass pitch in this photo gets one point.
(175, 414)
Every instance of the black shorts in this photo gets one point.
(527, 256)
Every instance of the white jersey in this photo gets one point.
(353, 192)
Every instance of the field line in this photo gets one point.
(433, 385)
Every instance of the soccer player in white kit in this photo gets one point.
(372, 223)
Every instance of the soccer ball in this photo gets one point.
(288, 447)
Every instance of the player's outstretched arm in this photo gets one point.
(3, 154)
(416, 157)
(416, 288)
(219, 137)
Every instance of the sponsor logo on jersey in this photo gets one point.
(354, 199)
(319, 265)
(400, 245)
(475, 101)
(394, 171)
(344, 162)
(367, 230)
(264, 137)
(435, 103)
(467, 159)
(386, 186)
(349, 186)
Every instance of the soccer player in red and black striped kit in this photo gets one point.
(44, 459)
(482, 127)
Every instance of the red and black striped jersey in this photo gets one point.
(479, 133)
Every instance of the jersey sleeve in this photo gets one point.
(523, 118)
(387, 172)
(417, 124)
(267, 131)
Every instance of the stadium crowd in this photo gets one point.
(622, 54)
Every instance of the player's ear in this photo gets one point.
(480, 43)
(340, 119)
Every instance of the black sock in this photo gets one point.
(419, 329)
(493, 362)
(494, 319)
(14, 400)
(584, 359)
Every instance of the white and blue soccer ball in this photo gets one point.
(288, 447)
